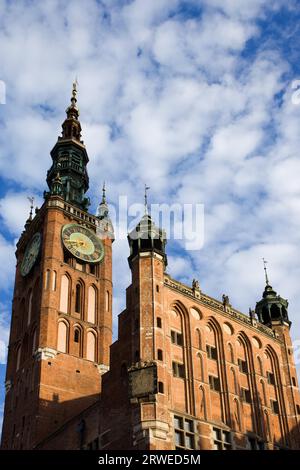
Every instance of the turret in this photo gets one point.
(272, 309)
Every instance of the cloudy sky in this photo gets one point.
(194, 98)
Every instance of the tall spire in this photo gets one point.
(266, 273)
(68, 176)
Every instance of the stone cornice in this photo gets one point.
(227, 311)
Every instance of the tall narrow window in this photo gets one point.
(91, 304)
(29, 308)
(64, 294)
(47, 279)
(62, 337)
(91, 346)
(107, 300)
(54, 280)
(78, 298)
(77, 341)
(198, 338)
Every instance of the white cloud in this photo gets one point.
(15, 208)
(170, 101)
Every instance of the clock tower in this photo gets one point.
(61, 327)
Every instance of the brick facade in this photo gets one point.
(187, 371)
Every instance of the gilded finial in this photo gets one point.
(146, 199)
(265, 269)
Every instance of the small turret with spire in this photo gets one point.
(146, 236)
(271, 309)
(105, 227)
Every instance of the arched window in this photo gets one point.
(18, 358)
(62, 337)
(231, 355)
(29, 308)
(201, 373)
(47, 279)
(264, 392)
(77, 341)
(90, 346)
(64, 294)
(198, 339)
(260, 366)
(235, 385)
(91, 313)
(78, 298)
(54, 276)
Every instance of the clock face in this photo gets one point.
(82, 243)
(31, 254)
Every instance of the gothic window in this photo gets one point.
(47, 279)
(64, 294)
(231, 355)
(77, 341)
(91, 346)
(264, 392)
(78, 298)
(198, 338)
(158, 322)
(91, 313)
(260, 366)
(54, 280)
(200, 366)
(235, 385)
(62, 337)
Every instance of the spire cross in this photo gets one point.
(31, 200)
(265, 269)
(146, 198)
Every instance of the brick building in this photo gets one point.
(187, 371)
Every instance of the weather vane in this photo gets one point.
(266, 273)
(146, 198)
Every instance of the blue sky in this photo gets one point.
(193, 98)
